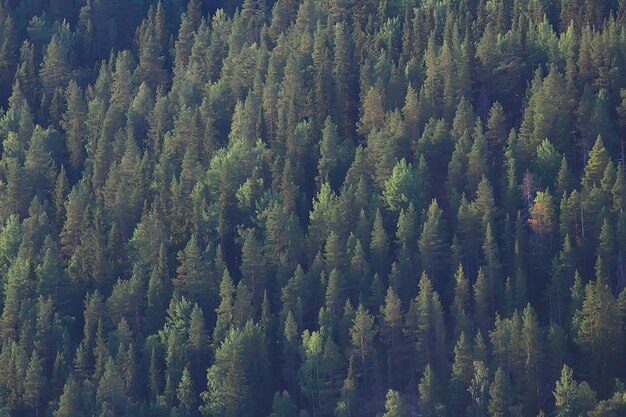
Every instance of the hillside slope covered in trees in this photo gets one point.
(313, 208)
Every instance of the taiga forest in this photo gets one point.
(312, 208)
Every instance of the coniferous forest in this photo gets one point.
(313, 208)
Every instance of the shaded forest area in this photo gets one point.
(313, 208)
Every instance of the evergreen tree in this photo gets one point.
(531, 349)
(379, 246)
(482, 303)
(403, 188)
(343, 74)
(430, 332)
(362, 334)
(428, 393)
(394, 405)
(283, 405)
(237, 381)
(253, 267)
(431, 243)
(184, 393)
(198, 339)
(500, 395)
(460, 308)
(34, 384)
(391, 332)
(571, 398)
(225, 310)
(55, 69)
(478, 389)
(70, 402)
(492, 267)
(600, 330)
(74, 124)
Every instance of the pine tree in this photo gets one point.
(289, 354)
(406, 228)
(283, 405)
(70, 402)
(479, 388)
(191, 275)
(482, 303)
(243, 310)
(16, 288)
(428, 393)
(431, 243)
(379, 246)
(185, 393)
(485, 203)
(129, 370)
(253, 267)
(198, 339)
(600, 330)
(362, 334)
(334, 252)
(531, 347)
(34, 384)
(343, 74)
(430, 332)
(497, 132)
(391, 332)
(111, 387)
(346, 405)
(156, 300)
(492, 267)
(55, 69)
(151, 61)
(571, 398)
(462, 371)
(154, 376)
(335, 292)
(74, 124)
(237, 381)
(372, 112)
(394, 405)
(329, 159)
(500, 395)
(403, 188)
(542, 215)
(460, 308)
(596, 165)
(225, 310)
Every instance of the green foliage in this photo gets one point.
(251, 189)
(237, 381)
(394, 405)
(403, 188)
(500, 395)
(572, 399)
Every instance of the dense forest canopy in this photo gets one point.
(313, 208)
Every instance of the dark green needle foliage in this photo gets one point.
(300, 208)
